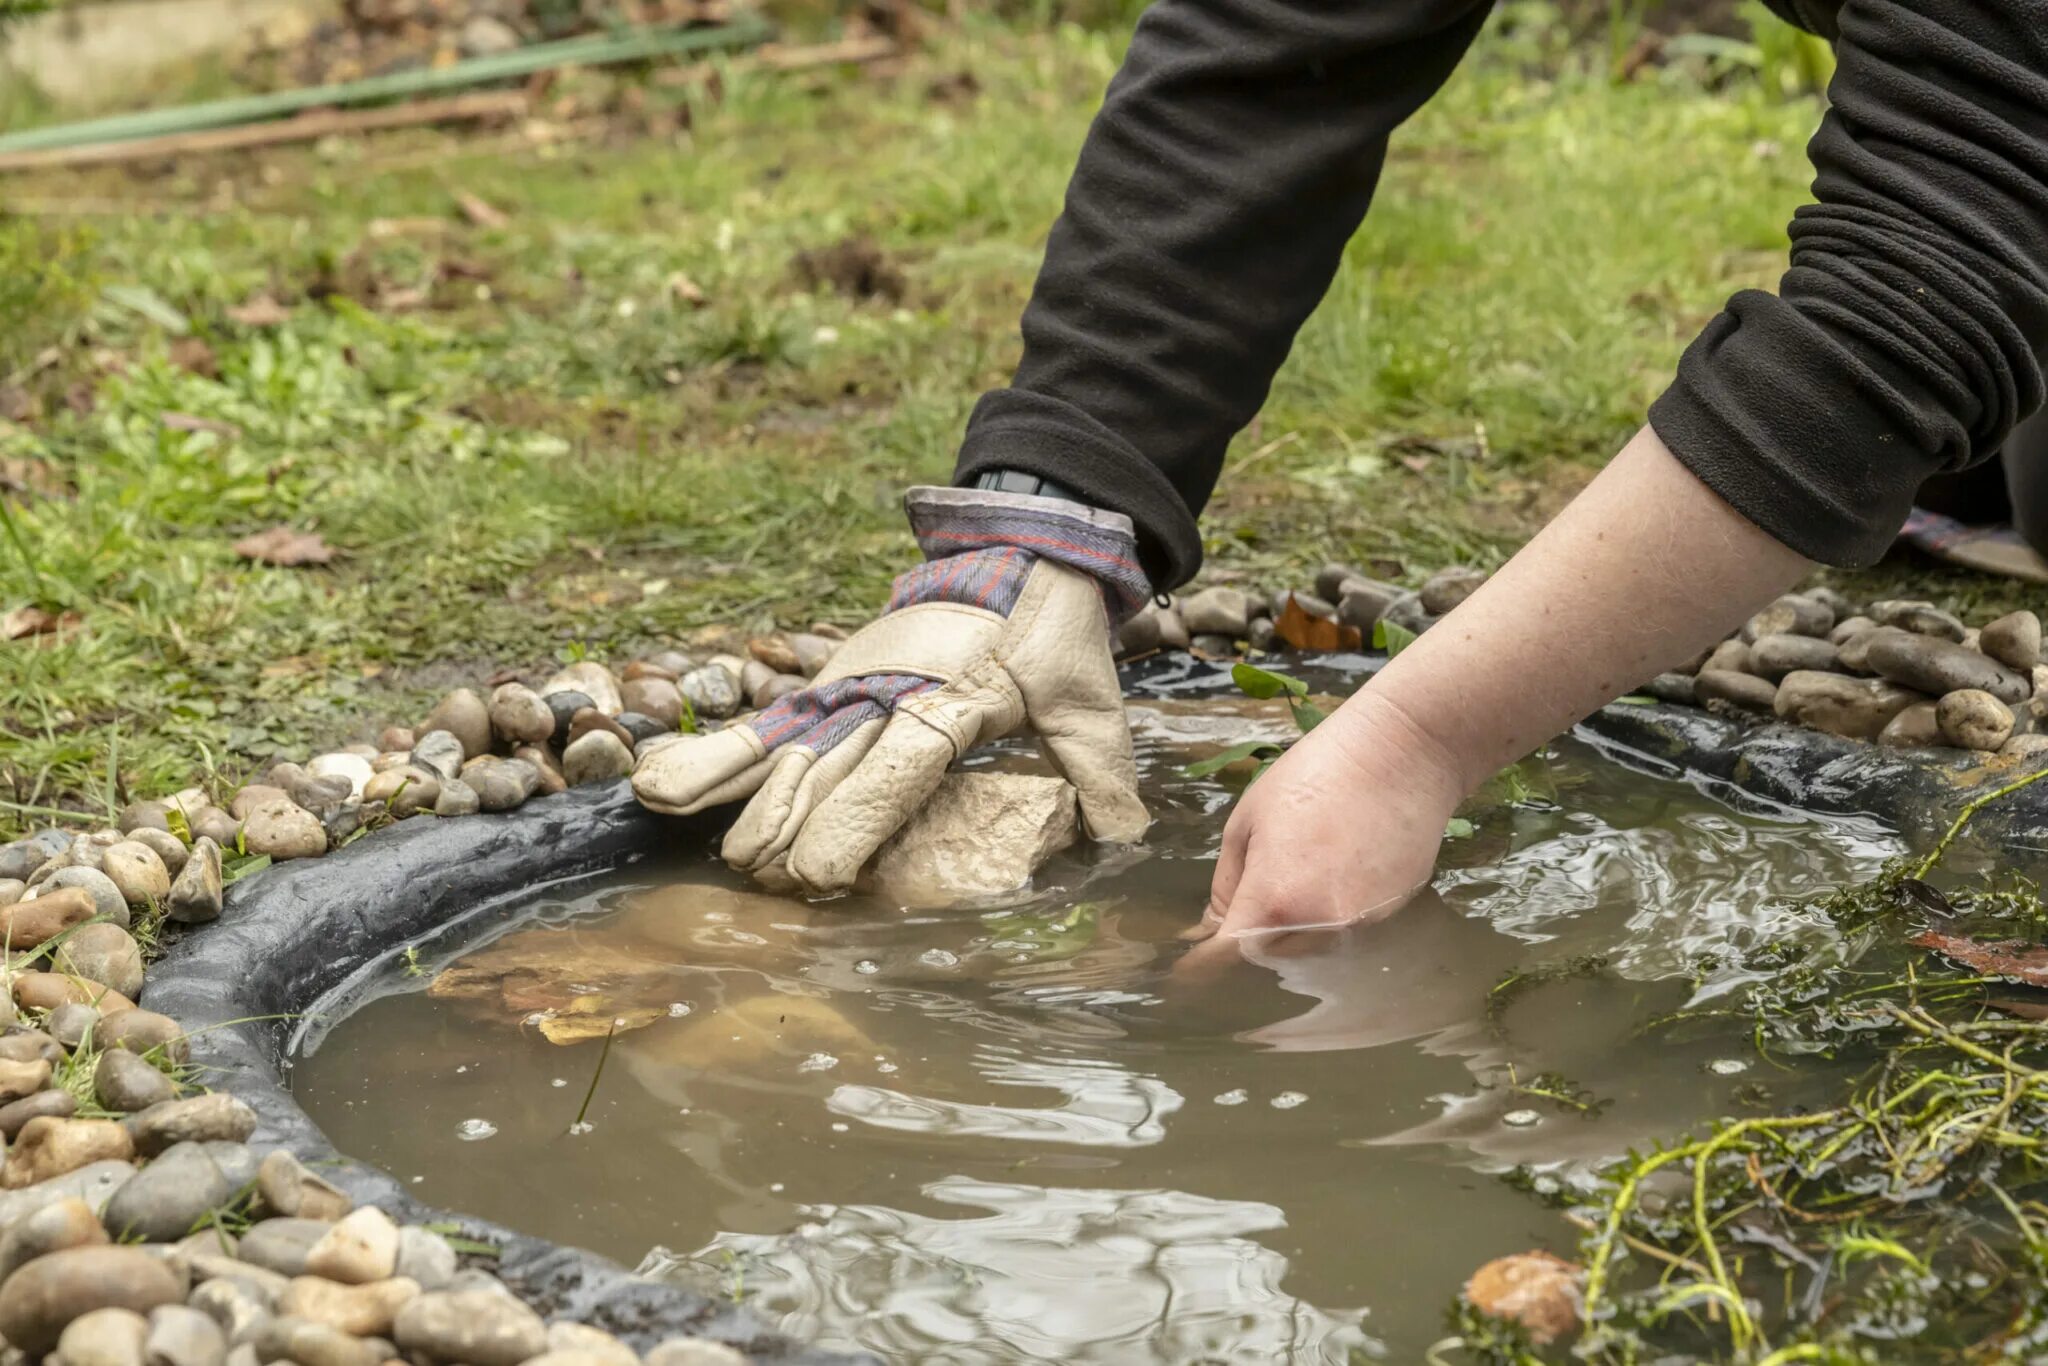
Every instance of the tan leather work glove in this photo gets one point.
(1006, 624)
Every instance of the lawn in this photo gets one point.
(620, 414)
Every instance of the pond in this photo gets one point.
(1015, 1134)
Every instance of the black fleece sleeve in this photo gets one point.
(1907, 337)
(1234, 156)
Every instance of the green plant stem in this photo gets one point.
(595, 1076)
(1934, 857)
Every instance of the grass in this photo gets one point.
(552, 450)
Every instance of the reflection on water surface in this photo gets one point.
(1012, 1135)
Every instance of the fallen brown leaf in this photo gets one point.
(683, 290)
(1304, 631)
(283, 546)
(1537, 1290)
(401, 300)
(189, 422)
(2025, 1010)
(479, 211)
(2012, 959)
(260, 310)
(24, 622)
(195, 357)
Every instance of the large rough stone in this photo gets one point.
(472, 1326)
(979, 834)
(42, 1297)
(1936, 667)
(1856, 707)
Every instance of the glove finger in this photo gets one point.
(799, 779)
(872, 802)
(1091, 745)
(701, 771)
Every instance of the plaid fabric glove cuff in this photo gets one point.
(980, 544)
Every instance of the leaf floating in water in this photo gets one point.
(2013, 959)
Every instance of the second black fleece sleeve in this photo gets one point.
(1234, 156)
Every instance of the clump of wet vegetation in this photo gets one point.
(1897, 1218)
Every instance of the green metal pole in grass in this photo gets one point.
(597, 50)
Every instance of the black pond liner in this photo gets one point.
(297, 936)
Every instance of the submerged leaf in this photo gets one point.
(2013, 959)
(1216, 763)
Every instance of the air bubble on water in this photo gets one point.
(470, 1130)
(460, 1068)
(1727, 1067)
(678, 1009)
(939, 958)
(1287, 1100)
(885, 1067)
(559, 1081)
(867, 967)
(1520, 1119)
(775, 1187)
(818, 1062)
(581, 1126)
(839, 1126)
(746, 937)
(1237, 1097)
(418, 1179)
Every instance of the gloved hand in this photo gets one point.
(1006, 624)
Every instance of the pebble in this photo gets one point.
(40, 1299)
(591, 719)
(197, 894)
(48, 990)
(1859, 708)
(168, 1197)
(1774, 656)
(321, 796)
(124, 1083)
(1970, 718)
(646, 668)
(311, 1344)
(640, 729)
(254, 795)
(520, 716)
(1320, 608)
(1793, 614)
(1331, 578)
(591, 679)
(774, 652)
(137, 872)
(1846, 627)
(1407, 612)
(1853, 653)
(12, 889)
(463, 715)
(1937, 667)
(1140, 633)
(1262, 634)
(60, 1104)
(363, 1310)
(396, 738)
(695, 1352)
(25, 1044)
(504, 785)
(182, 1336)
(2025, 746)
(286, 1188)
(217, 825)
(564, 706)
(440, 753)
(597, 757)
(2014, 640)
(143, 816)
(23, 1078)
(235, 1304)
(672, 662)
(50, 1147)
(71, 1025)
(92, 1184)
(362, 1247)
(457, 798)
(165, 846)
(1449, 587)
(214, 1117)
(21, 857)
(284, 830)
(144, 1031)
(594, 1344)
(282, 1245)
(713, 691)
(104, 1337)
(1214, 646)
(1919, 618)
(63, 1223)
(1173, 632)
(480, 1328)
(813, 652)
(1732, 689)
(27, 924)
(1915, 726)
(1217, 612)
(106, 954)
(352, 769)
(1674, 687)
(424, 1257)
(407, 789)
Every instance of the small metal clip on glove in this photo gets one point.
(1007, 623)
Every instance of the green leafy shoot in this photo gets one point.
(1264, 684)
(1265, 751)
(1392, 638)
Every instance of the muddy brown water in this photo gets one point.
(1012, 1134)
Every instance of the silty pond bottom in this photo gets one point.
(1014, 1135)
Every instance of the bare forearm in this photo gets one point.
(1645, 568)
